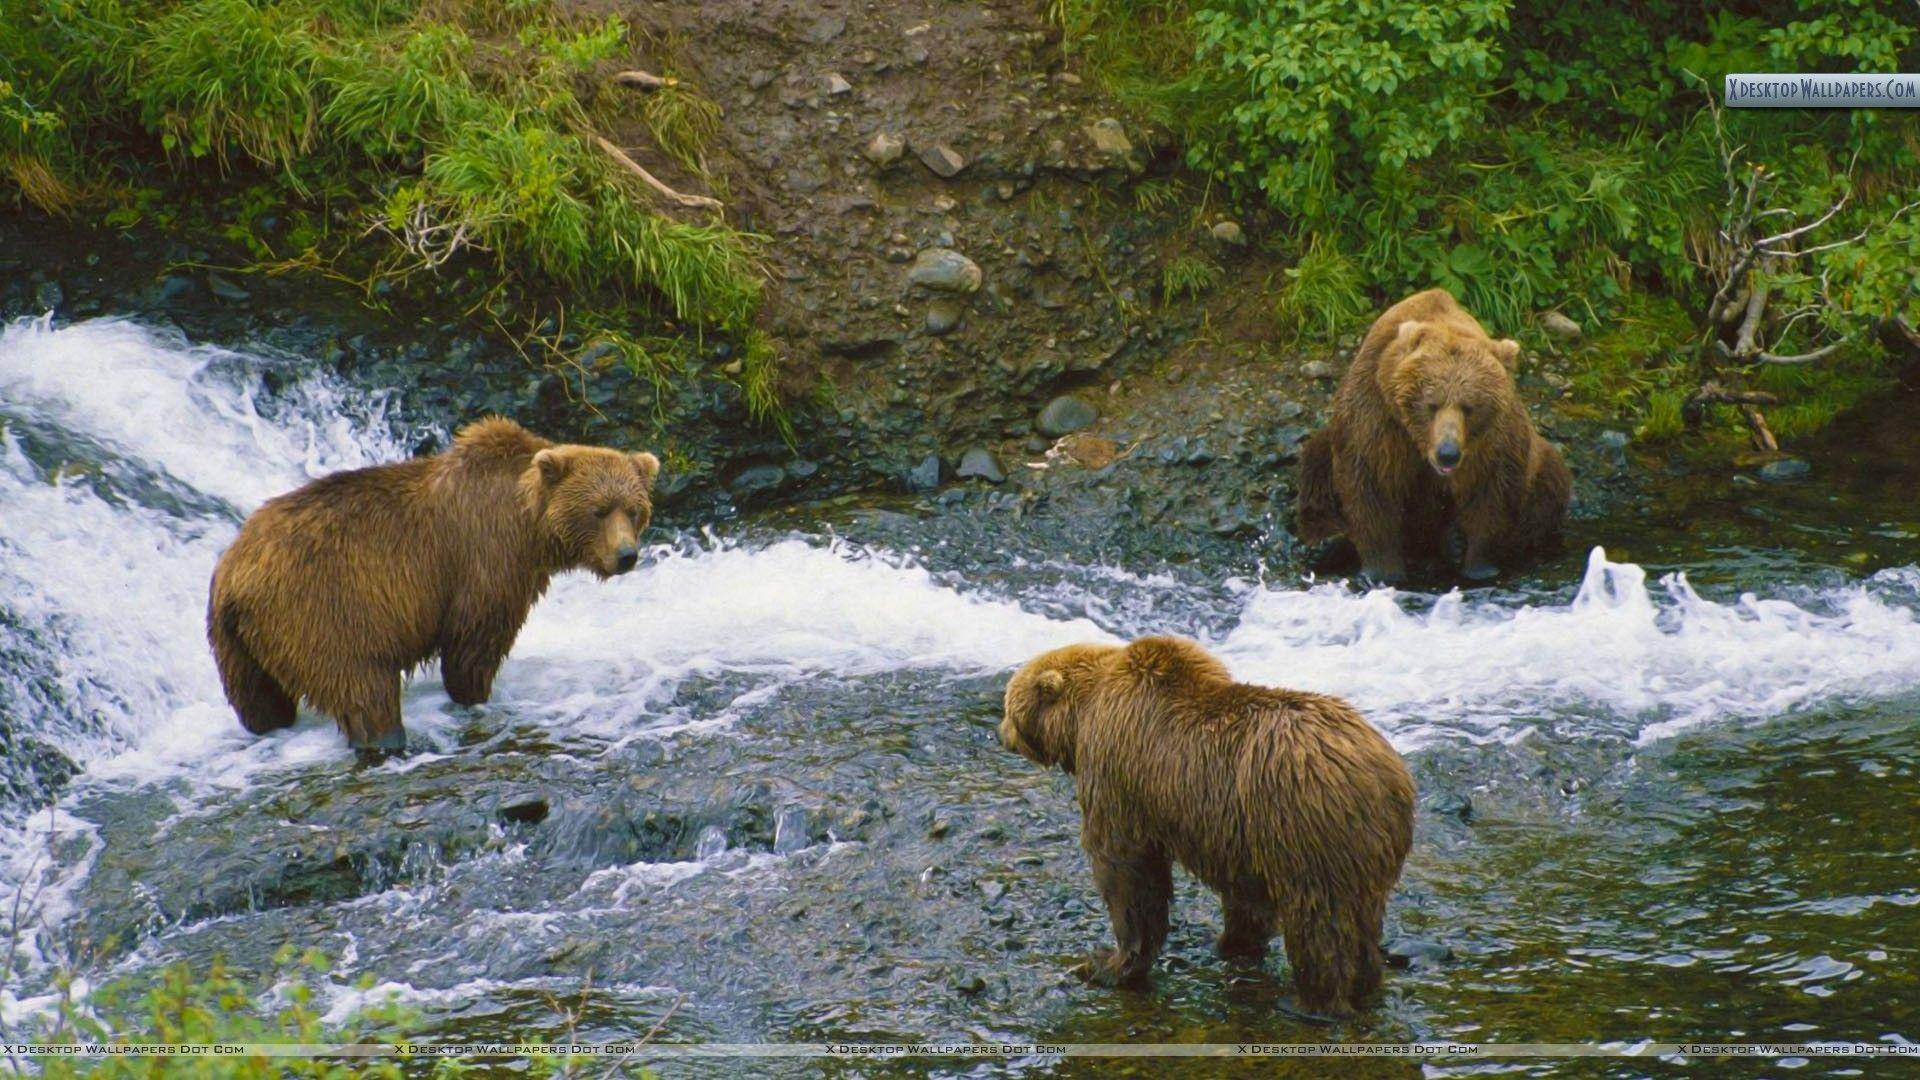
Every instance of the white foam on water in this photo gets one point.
(1652, 660)
(188, 410)
(605, 656)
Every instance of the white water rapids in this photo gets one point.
(128, 456)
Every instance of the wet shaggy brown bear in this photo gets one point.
(1429, 441)
(1288, 805)
(332, 592)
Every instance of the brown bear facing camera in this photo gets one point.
(332, 592)
(1288, 805)
(1429, 443)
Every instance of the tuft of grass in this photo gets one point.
(1187, 276)
(683, 122)
(1324, 293)
(453, 126)
(224, 77)
(758, 378)
(1662, 417)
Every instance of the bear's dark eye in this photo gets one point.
(603, 511)
(1466, 410)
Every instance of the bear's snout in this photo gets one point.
(1446, 456)
(626, 558)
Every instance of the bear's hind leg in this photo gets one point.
(1335, 955)
(262, 704)
(368, 712)
(1138, 889)
(1249, 926)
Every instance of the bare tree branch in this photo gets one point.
(652, 181)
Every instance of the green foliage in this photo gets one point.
(682, 122)
(1322, 293)
(1526, 156)
(178, 1005)
(1189, 276)
(452, 124)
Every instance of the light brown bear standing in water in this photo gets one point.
(330, 593)
(1429, 433)
(1288, 805)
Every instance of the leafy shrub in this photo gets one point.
(453, 125)
(1524, 156)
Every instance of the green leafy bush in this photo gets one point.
(452, 125)
(1527, 156)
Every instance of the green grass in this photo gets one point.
(1188, 276)
(1322, 294)
(454, 130)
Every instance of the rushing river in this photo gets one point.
(753, 788)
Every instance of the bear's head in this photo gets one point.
(593, 503)
(1042, 718)
(1449, 385)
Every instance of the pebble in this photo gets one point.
(790, 830)
(979, 464)
(1317, 369)
(1558, 325)
(992, 890)
(178, 289)
(837, 84)
(1065, 415)
(944, 315)
(1229, 232)
(926, 475)
(885, 148)
(1417, 952)
(1109, 137)
(757, 479)
(227, 290)
(944, 270)
(943, 160)
(1785, 470)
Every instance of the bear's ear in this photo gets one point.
(1508, 350)
(1050, 684)
(647, 466)
(1409, 333)
(552, 465)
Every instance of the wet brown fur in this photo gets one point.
(1426, 370)
(1288, 805)
(332, 592)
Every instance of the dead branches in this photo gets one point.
(632, 166)
(1754, 259)
(645, 80)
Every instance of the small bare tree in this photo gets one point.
(1754, 245)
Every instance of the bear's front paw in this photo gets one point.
(1107, 969)
(1479, 570)
(1327, 1015)
(1241, 950)
(1377, 577)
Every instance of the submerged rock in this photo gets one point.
(1786, 470)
